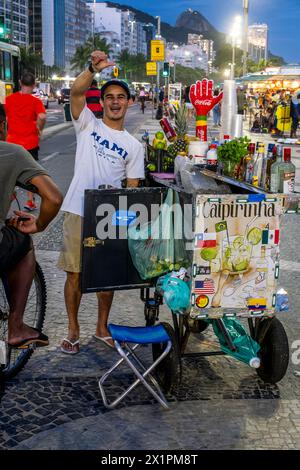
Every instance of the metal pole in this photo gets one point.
(233, 60)
(246, 25)
(158, 36)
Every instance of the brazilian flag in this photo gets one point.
(221, 226)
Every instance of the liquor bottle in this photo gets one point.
(258, 163)
(287, 172)
(271, 159)
(274, 180)
(168, 129)
(266, 158)
(249, 164)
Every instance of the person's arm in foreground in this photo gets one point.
(51, 200)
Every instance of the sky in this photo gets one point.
(282, 17)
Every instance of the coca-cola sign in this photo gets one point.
(203, 102)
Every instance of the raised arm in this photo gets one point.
(82, 83)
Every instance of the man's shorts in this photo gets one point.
(34, 153)
(14, 246)
(70, 256)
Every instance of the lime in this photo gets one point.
(159, 135)
(208, 254)
(151, 167)
(160, 144)
(241, 265)
(254, 236)
(237, 242)
(227, 252)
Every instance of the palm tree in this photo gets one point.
(30, 61)
(83, 52)
(80, 58)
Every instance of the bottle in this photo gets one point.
(282, 301)
(258, 164)
(145, 137)
(287, 172)
(266, 158)
(212, 157)
(249, 164)
(168, 129)
(271, 159)
(274, 180)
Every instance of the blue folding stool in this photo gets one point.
(138, 335)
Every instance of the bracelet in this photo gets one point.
(91, 68)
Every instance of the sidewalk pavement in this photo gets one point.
(55, 403)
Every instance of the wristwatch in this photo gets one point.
(91, 68)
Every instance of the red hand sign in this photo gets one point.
(201, 96)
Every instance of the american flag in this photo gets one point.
(204, 287)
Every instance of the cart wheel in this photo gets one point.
(197, 326)
(168, 372)
(274, 353)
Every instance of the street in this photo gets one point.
(55, 403)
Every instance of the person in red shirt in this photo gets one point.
(92, 97)
(26, 118)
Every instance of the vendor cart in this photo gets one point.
(233, 250)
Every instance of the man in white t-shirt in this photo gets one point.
(105, 155)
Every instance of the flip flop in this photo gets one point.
(39, 341)
(73, 344)
(104, 339)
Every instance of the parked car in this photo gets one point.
(63, 95)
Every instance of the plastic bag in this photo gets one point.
(153, 247)
(176, 293)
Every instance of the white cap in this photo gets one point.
(254, 362)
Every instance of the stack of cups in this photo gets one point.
(229, 108)
(237, 126)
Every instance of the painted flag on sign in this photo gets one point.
(221, 226)
(270, 237)
(205, 240)
(204, 287)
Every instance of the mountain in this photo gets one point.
(188, 22)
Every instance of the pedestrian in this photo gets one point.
(295, 114)
(106, 154)
(241, 100)
(26, 118)
(187, 102)
(142, 98)
(217, 111)
(17, 258)
(93, 100)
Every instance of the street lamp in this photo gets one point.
(235, 32)
(245, 31)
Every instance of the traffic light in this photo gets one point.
(2, 26)
(116, 72)
(166, 70)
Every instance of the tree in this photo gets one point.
(30, 61)
(83, 52)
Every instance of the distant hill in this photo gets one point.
(188, 22)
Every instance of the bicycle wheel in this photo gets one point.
(34, 316)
